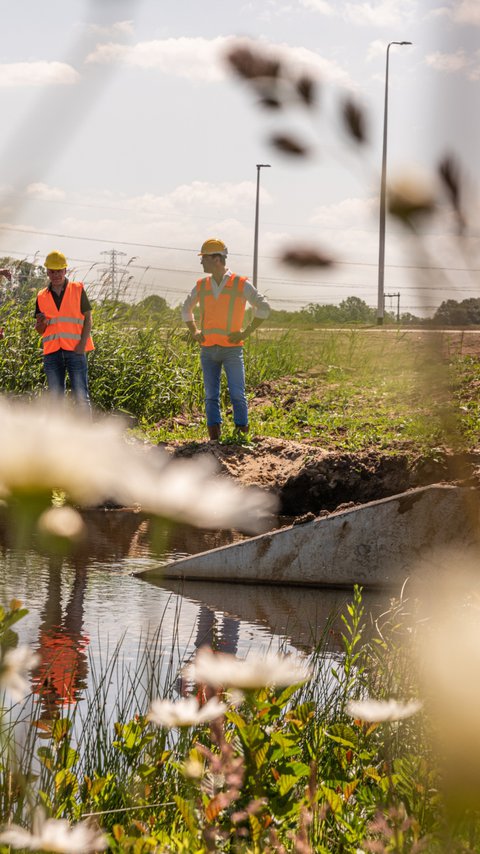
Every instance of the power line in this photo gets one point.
(236, 254)
(313, 299)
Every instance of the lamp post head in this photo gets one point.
(263, 165)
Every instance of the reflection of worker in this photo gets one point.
(220, 638)
(222, 296)
(62, 673)
(63, 316)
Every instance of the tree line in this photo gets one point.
(27, 278)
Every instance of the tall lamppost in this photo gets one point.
(383, 188)
(255, 241)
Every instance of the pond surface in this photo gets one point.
(85, 607)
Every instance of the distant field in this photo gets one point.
(346, 389)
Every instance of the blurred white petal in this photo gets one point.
(55, 835)
(14, 665)
(223, 670)
(45, 447)
(378, 711)
(185, 712)
(62, 522)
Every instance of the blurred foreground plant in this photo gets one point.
(46, 447)
(296, 762)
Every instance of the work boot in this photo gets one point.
(214, 432)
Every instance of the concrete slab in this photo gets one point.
(375, 545)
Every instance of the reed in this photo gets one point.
(284, 769)
(348, 389)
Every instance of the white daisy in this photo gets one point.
(55, 835)
(377, 711)
(13, 665)
(185, 712)
(223, 670)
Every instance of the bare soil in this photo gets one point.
(310, 479)
(307, 479)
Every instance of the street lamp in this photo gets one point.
(381, 251)
(255, 241)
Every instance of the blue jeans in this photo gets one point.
(57, 365)
(231, 359)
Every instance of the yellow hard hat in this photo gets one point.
(213, 246)
(55, 261)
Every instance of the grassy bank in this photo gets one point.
(345, 389)
(307, 763)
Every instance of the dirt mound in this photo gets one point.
(307, 479)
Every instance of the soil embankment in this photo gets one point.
(309, 480)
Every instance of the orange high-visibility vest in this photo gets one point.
(63, 670)
(64, 328)
(219, 317)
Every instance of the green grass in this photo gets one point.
(286, 767)
(346, 390)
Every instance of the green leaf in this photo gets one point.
(186, 810)
(60, 729)
(256, 828)
(235, 718)
(286, 782)
(66, 782)
(45, 754)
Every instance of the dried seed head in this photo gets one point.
(289, 145)
(270, 102)
(354, 120)
(411, 196)
(306, 257)
(251, 64)
(449, 173)
(306, 90)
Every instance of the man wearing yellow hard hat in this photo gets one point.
(63, 317)
(221, 297)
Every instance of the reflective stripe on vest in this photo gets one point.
(223, 315)
(62, 332)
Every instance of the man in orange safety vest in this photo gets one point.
(222, 297)
(63, 317)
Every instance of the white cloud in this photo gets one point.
(37, 74)
(322, 6)
(198, 195)
(452, 63)
(449, 62)
(467, 12)
(199, 192)
(386, 13)
(45, 193)
(439, 12)
(204, 59)
(376, 48)
(349, 213)
(191, 58)
(120, 28)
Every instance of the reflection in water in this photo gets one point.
(220, 635)
(302, 616)
(62, 673)
(114, 535)
(83, 606)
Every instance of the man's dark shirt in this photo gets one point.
(57, 298)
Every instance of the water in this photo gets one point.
(84, 607)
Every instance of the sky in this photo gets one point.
(128, 140)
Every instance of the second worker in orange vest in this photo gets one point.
(63, 317)
(222, 297)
